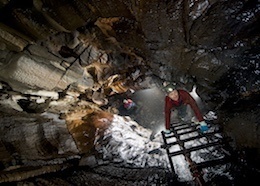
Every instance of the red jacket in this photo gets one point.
(184, 98)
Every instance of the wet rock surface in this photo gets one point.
(65, 67)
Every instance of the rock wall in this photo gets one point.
(90, 51)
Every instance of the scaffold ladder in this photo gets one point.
(181, 129)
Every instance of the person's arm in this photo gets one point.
(167, 112)
(192, 102)
(194, 107)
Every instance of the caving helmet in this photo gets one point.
(169, 87)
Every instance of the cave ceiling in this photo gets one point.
(204, 42)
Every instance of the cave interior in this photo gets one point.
(66, 66)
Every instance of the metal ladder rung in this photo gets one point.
(168, 145)
(187, 132)
(171, 135)
(184, 151)
(179, 124)
(201, 136)
(184, 127)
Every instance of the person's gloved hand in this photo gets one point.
(203, 126)
(194, 120)
(167, 131)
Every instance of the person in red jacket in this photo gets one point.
(176, 99)
(128, 104)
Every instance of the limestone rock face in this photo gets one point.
(183, 41)
(37, 143)
(34, 139)
(85, 126)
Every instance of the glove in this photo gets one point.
(167, 131)
(203, 126)
(194, 120)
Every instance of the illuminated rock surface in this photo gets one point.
(65, 67)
